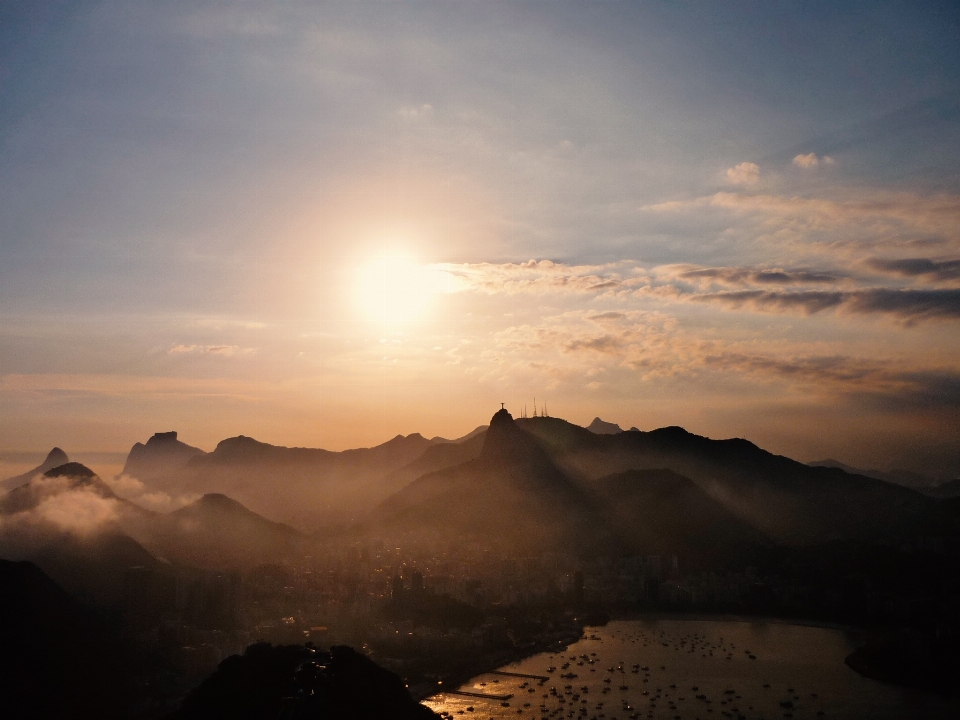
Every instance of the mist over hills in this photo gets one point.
(512, 494)
(305, 487)
(635, 509)
(560, 481)
(219, 532)
(786, 500)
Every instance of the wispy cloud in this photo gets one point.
(746, 173)
(925, 268)
(866, 217)
(810, 160)
(748, 275)
(222, 350)
(909, 305)
(543, 276)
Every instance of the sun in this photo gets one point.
(395, 289)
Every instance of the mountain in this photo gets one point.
(512, 495)
(658, 512)
(439, 457)
(785, 500)
(293, 681)
(949, 489)
(906, 478)
(219, 532)
(54, 458)
(57, 659)
(304, 487)
(75, 528)
(479, 430)
(161, 455)
(67, 478)
(600, 427)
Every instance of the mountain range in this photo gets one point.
(534, 484)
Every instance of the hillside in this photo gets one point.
(304, 487)
(512, 496)
(784, 499)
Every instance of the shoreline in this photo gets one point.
(487, 665)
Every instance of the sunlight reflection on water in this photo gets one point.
(657, 668)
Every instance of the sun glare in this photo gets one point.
(395, 289)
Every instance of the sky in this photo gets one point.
(324, 224)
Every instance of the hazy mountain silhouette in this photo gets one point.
(906, 478)
(784, 499)
(512, 494)
(219, 532)
(57, 659)
(161, 455)
(439, 457)
(54, 458)
(479, 430)
(600, 427)
(305, 487)
(657, 512)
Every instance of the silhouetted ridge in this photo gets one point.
(162, 453)
(54, 458)
(512, 494)
(57, 659)
(600, 427)
(71, 469)
(506, 442)
(293, 681)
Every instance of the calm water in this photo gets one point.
(740, 669)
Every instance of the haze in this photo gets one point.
(326, 224)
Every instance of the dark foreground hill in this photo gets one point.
(294, 682)
(57, 660)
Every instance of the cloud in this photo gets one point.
(223, 350)
(164, 502)
(130, 488)
(749, 275)
(543, 277)
(124, 485)
(940, 270)
(78, 511)
(810, 160)
(414, 112)
(746, 173)
(62, 507)
(908, 305)
(866, 218)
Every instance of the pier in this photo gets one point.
(485, 696)
(542, 678)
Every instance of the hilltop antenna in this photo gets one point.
(534, 405)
